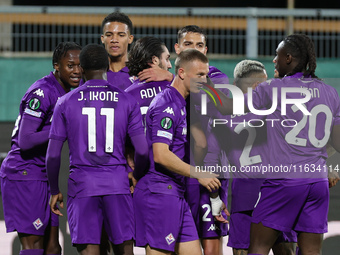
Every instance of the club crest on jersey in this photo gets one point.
(169, 110)
(166, 123)
(37, 223)
(39, 92)
(170, 239)
(34, 104)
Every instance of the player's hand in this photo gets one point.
(333, 178)
(53, 203)
(130, 160)
(217, 206)
(208, 180)
(155, 73)
(132, 181)
(220, 217)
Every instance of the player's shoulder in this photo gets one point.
(44, 88)
(168, 100)
(214, 72)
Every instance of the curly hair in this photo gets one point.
(301, 47)
(61, 50)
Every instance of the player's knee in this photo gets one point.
(211, 250)
(53, 249)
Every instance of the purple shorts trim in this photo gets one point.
(87, 215)
(198, 199)
(162, 220)
(302, 208)
(25, 204)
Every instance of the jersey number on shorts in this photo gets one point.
(291, 136)
(92, 133)
(205, 215)
(245, 159)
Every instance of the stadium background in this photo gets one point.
(28, 36)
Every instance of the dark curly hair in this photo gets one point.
(94, 57)
(301, 47)
(61, 50)
(141, 53)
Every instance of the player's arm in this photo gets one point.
(29, 136)
(53, 157)
(141, 156)
(332, 146)
(163, 156)
(200, 146)
(155, 73)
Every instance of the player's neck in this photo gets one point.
(179, 86)
(95, 75)
(116, 64)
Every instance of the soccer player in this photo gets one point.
(297, 200)
(209, 230)
(117, 36)
(96, 119)
(146, 52)
(24, 186)
(163, 219)
(245, 143)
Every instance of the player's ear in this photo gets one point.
(181, 73)
(255, 84)
(177, 50)
(289, 58)
(102, 38)
(155, 60)
(205, 50)
(130, 39)
(56, 66)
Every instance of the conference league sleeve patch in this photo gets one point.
(32, 107)
(166, 123)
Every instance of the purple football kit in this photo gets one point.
(244, 139)
(159, 195)
(197, 196)
(96, 118)
(120, 79)
(23, 172)
(299, 201)
(144, 92)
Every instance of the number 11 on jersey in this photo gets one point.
(92, 133)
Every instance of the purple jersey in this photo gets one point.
(244, 139)
(296, 140)
(120, 79)
(144, 92)
(95, 118)
(166, 123)
(216, 77)
(38, 105)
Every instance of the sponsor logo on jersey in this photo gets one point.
(169, 110)
(33, 113)
(34, 104)
(37, 224)
(39, 92)
(182, 112)
(165, 134)
(170, 239)
(166, 123)
(184, 131)
(213, 227)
